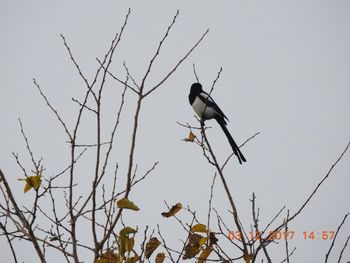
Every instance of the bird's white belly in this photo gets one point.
(202, 110)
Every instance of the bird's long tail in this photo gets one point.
(232, 142)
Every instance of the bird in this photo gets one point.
(206, 109)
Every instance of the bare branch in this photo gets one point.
(320, 183)
(291, 253)
(343, 249)
(23, 220)
(177, 65)
(210, 200)
(255, 220)
(309, 198)
(157, 51)
(227, 191)
(118, 79)
(77, 65)
(335, 236)
(84, 106)
(286, 239)
(195, 73)
(9, 241)
(67, 168)
(233, 154)
(215, 80)
(131, 77)
(53, 110)
(274, 218)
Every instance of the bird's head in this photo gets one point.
(196, 88)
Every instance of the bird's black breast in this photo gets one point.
(196, 88)
(191, 97)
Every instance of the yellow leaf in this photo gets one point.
(205, 254)
(175, 208)
(202, 241)
(33, 181)
(129, 244)
(190, 137)
(122, 245)
(126, 244)
(126, 231)
(127, 204)
(151, 245)
(201, 228)
(160, 257)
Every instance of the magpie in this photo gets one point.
(206, 108)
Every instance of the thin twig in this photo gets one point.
(269, 237)
(210, 201)
(158, 50)
(118, 79)
(53, 110)
(167, 249)
(290, 254)
(335, 236)
(273, 219)
(68, 167)
(195, 73)
(85, 106)
(215, 80)
(9, 241)
(233, 154)
(255, 220)
(343, 249)
(286, 238)
(78, 67)
(177, 65)
(130, 76)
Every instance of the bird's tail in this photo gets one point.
(233, 144)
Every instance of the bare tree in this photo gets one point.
(61, 233)
(55, 227)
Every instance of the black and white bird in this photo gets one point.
(206, 108)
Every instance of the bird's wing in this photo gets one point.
(203, 96)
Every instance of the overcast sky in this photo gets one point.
(286, 74)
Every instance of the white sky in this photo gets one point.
(286, 74)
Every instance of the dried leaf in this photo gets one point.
(205, 254)
(194, 238)
(175, 208)
(151, 245)
(160, 257)
(193, 246)
(212, 239)
(33, 181)
(200, 228)
(127, 204)
(190, 137)
(133, 259)
(108, 257)
(248, 257)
